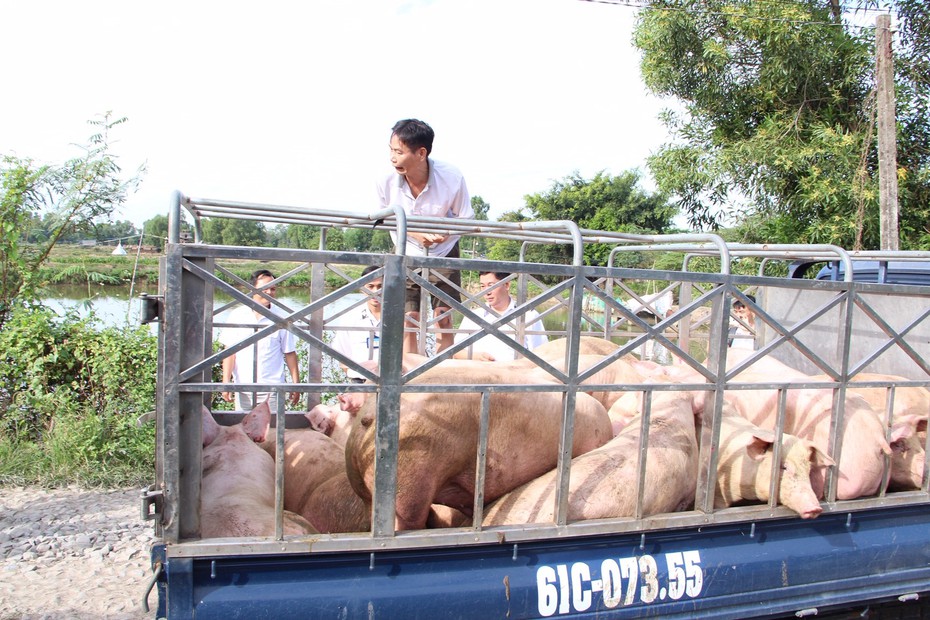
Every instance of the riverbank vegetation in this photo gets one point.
(71, 395)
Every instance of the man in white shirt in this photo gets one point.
(274, 352)
(424, 186)
(488, 348)
(362, 343)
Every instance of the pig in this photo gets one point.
(628, 404)
(744, 467)
(238, 485)
(335, 507)
(588, 345)
(311, 459)
(808, 415)
(909, 426)
(438, 441)
(626, 408)
(604, 482)
(332, 420)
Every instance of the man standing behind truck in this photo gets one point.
(272, 352)
(488, 348)
(426, 187)
(363, 343)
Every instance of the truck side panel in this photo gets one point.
(767, 569)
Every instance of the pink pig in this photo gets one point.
(438, 441)
(808, 415)
(237, 488)
(604, 482)
(744, 467)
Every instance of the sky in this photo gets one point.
(292, 102)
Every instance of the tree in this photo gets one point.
(155, 231)
(609, 203)
(912, 93)
(115, 231)
(480, 207)
(506, 249)
(478, 246)
(69, 197)
(233, 232)
(777, 112)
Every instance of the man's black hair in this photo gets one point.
(739, 303)
(259, 273)
(414, 133)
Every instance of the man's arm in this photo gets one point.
(291, 360)
(228, 364)
(531, 341)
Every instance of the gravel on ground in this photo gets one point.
(74, 553)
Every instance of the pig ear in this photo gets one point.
(819, 458)
(760, 441)
(210, 428)
(904, 426)
(256, 422)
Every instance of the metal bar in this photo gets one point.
(387, 421)
(642, 461)
(279, 464)
(481, 459)
(566, 440)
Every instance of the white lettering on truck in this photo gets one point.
(570, 588)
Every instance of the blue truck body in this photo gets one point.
(750, 561)
(739, 570)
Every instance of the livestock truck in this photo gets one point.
(863, 557)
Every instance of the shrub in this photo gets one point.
(72, 394)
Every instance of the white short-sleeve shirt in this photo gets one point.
(445, 195)
(359, 345)
(493, 346)
(271, 349)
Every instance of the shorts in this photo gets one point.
(412, 301)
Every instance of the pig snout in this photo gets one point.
(322, 418)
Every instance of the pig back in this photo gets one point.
(604, 482)
(438, 441)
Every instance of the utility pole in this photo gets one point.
(887, 135)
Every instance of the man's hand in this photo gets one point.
(228, 397)
(294, 397)
(427, 239)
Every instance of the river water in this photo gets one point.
(112, 306)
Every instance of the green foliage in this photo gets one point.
(779, 112)
(108, 231)
(20, 184)
(70, 197)
(71, 397)
(609, 203)
(480, 207)
(233, 232)
(155, 231)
